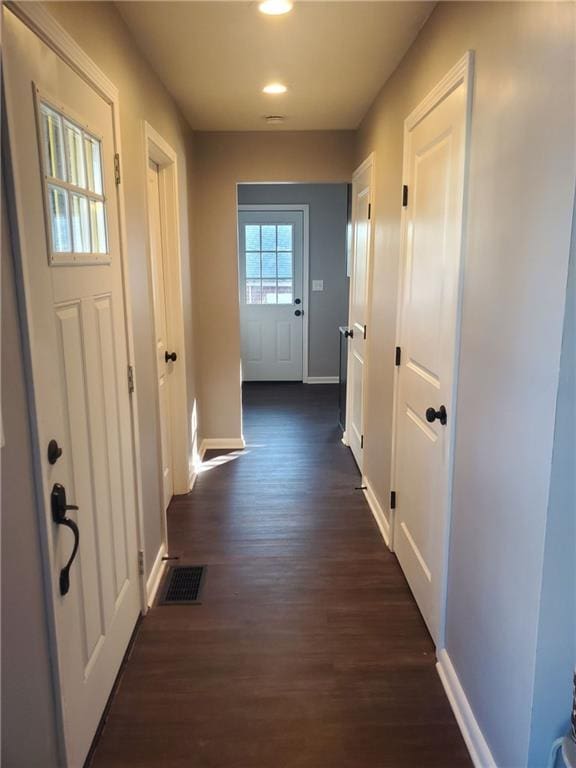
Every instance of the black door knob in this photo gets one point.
(298, 313)
(349, 333)
(170, 356)
(297, 301)
(441, 415)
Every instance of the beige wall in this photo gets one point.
(522, 169)
(99, 29)
(29, 737)
(223, 160)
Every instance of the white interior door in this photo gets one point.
(62, 151)
(271, 302)
(429, 317)
(164, 361)
(358, 311)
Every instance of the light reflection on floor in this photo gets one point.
(219, 461)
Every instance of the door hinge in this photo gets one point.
(117, 168)
(141, 562)
(405, 196)
(361, 441)
(369, 210)
(130, 379)
(398, 357)
(392, 499)
(365, 330)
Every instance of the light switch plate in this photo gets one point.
(317, 285)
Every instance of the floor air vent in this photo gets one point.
(183, 584)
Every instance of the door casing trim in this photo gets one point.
(159, 151)
(460, 74)
(38, 19)
(304, 208)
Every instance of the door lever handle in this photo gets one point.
(59, 509)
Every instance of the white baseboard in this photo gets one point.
(221, 443)
(377, 511)
(322, 380)
(475, 741)
(156, 574)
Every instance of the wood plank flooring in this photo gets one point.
(308, 650)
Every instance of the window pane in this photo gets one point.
(285, 237)
(75, 155)
(284, 265)
(53, 146)
(268, 265)
(268, 291)
(284, 291)
(252, 232)
(98, 227)
(252, 265)
(80, 224)
(93, 164)
(58, 201)
(269, 237)
(253, 292)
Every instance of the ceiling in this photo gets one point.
(215, 58)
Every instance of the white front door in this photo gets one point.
(271, 302)
(361, 249)
(429, 312)
(164, 361)
(62, 151)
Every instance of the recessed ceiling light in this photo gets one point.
(274, 88)
(275, 7)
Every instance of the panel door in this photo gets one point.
(361, 245)
(271, 301)
(428, 329)
(62, 151)
(164, 365)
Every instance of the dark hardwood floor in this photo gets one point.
(308, 650)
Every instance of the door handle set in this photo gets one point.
(59, 508)
(170, 356)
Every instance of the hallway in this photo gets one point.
(308, 650)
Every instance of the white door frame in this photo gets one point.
(44, 26)
(304, 208)
(368, 163)
(160, 152)
(460, 74)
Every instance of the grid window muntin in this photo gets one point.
(87, 239)
(269, 264)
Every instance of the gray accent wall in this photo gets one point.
(328, 308)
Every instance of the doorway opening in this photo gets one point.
(174, 441)
(292, 283)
